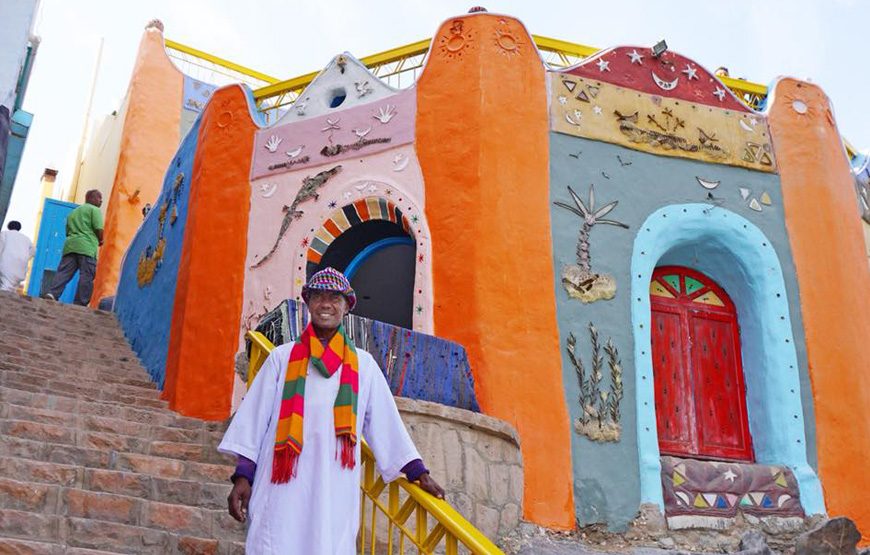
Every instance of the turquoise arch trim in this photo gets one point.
(772, 380)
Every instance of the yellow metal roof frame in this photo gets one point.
(220, 61)
(278, 87)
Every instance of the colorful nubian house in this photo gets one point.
(645, 262)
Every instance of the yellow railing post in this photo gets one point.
(451, 529)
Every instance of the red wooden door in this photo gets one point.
(700, 392)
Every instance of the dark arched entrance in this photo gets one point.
(379, 257)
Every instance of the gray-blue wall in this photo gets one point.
(606, 475)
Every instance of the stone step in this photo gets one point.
(74, 383)
(160, 467)
(53, 500)
(11, 546)
(148, 415)
(68, 434)
(111, 376)
(39, 474)
(69, 390)
(204, 435)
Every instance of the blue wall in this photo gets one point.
(145, 312)
(607, 476)
(416, 365)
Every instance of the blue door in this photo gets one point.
(49, 248)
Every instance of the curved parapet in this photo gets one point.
(818, 194)
(204, 334)
(483, 148)
(149, 139)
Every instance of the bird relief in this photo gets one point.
(579, 281)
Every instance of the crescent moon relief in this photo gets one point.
(267, 190)
(578, 115)
(707, 184)
(400, 162)
(746, 127)
(665, 85)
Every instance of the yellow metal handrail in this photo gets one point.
(435, 524)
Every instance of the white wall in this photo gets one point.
(16, 22)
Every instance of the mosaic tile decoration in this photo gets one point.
(720, 489)
(416, 365)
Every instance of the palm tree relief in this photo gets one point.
(578, 279)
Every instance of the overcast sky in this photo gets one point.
(822, 40)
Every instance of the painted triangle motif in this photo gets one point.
(767, 502)
(710, 498)
(747, 156)
(700, 502)
(744, 193)
(765, 199)
(732, 499)
(582, 96)
(757, 497)
(746, 501)
(781, 481)
(765, 159)
(684, 497)
(681, 468)
(570, 85)
(721, 503)
(678, 479)
(593, 91)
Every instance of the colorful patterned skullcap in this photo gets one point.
(330, 279)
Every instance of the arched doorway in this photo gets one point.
(700, 394)
(372, 243)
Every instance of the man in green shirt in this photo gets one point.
(84, 235)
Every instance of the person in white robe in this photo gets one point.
(16, 250)
(317, 510)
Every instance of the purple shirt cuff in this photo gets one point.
(414, 469)
(245, 468)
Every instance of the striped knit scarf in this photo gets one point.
(340, 353)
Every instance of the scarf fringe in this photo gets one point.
(284, 465)
(347, 451)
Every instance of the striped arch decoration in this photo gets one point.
(363, 210)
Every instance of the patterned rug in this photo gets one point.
(720, 489)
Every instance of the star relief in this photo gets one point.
(729, 475)
(635, 57)
(720, 93)
(603, 65)
(691, 72)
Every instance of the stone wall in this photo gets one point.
(475, 458)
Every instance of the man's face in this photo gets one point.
(96, 199)
(327, 308)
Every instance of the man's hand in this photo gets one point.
(431, 486)
(238, 499)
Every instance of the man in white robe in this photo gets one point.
(16, 250)
(316, 511)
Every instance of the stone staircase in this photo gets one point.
(91, 460)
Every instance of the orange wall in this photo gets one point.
(834, 279)
(148, 142)
(482, 141)
(208, 296)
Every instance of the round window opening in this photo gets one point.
(336, 97)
